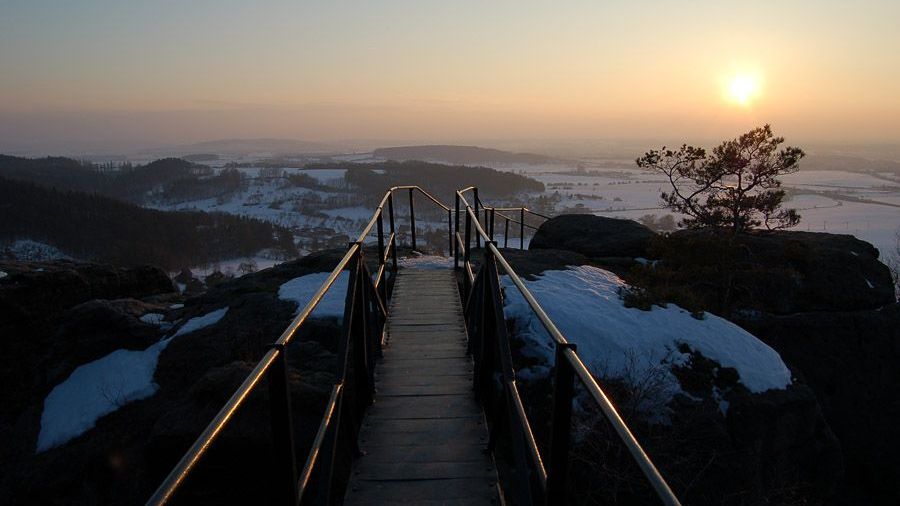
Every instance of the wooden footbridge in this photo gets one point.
(425, 386)
(424, 439)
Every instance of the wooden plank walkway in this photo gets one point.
(424, 437)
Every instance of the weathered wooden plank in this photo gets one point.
(419, 490)
(421, 431)
(400, 380)
(423, 471)
(424, 436)
(424, 502)
(439, 406)
(461, 452)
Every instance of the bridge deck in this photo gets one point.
(424, 438)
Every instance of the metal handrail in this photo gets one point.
(567, 363)
(366, 302)
(276, 357)
(490, 212)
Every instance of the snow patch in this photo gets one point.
(426, 262)
(200, 322)
(301, 290)
(2, 274)
(645, 261)
(153, 318)
(28, 250)
(622, 342)
(101, 387)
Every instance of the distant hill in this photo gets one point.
(176, 177)
(97, 228)
(372, 179)
(461, 155)
(249, 146)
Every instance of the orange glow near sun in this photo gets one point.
(743, 89)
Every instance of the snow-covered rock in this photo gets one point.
(104, 385)
(34, 251)
(153, 318)
(619, 342)
(300, 291)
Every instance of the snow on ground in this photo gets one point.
(233, 266)
(199, 322)
(301, 290)
(101, 387)
(350, 213)
(326, 176)
(28, 250)
(427, 262)
(628, 343)
(153, 318)
(2, 274)
(833, 178)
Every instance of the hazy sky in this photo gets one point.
(97, 72)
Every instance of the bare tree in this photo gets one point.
(736, 187)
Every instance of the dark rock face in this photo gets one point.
(593, 236)
(852, 362)
(130, 451)
(32, 290)
(771, 447)
(50, 323)
(534, 262)
(719, 442)
(787, 272)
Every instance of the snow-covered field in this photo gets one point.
(832, 201)
(631, 344)
(822, 198)
(101, 387)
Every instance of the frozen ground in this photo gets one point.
(300, 291)
(32, 251)
(101, 387)
(630, 344)
(840, 202)
(864, 205)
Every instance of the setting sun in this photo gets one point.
(743, 88)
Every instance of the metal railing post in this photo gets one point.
(467, 252)
(522, 228)
(393, 230)
(282, 430)
(506, 234)
(412, 219)
(382, 282)
(560, 428)
(475, 198)
(491, 233)
(456, 234)
(359, 332)
(450, 231)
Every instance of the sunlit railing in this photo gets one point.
(490, 348)
(362, 336)
(360, 343)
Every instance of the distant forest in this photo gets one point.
(373, 179)
(170, 177)
(460, 154)
(97, 228)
